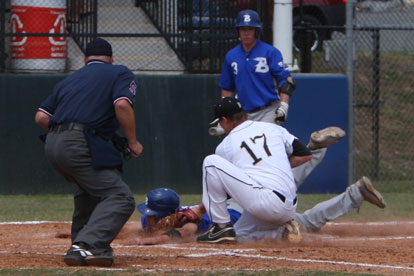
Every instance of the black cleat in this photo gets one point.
(76, 256)
(79, 255)
(216, 234)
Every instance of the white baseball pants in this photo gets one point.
(221, 180)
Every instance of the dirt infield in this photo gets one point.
(377, 247)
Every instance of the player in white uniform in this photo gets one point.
(252, 165)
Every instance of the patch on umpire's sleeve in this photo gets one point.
(133, 87)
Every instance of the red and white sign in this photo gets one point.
(38, 17)
(38, 20)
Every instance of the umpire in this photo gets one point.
(81, 116)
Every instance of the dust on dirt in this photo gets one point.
(376, 247)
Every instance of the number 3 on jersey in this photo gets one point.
(261, 143)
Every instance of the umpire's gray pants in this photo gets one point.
(103, 202)
(299, 173)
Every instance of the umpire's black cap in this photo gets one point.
(226, 107)
(98, 47)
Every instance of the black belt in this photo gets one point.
(283, 198)
(261, 107)
(67, 126)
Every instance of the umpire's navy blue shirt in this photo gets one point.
(88, 96)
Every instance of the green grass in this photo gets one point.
(60, 207)
(399, 205)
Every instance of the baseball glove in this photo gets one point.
(176, 220)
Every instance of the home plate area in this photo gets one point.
(359, 247)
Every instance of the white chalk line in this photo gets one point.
(378, 223)
(328, 223)
(375, 239)
(178, 247)
(300, 260)
(31, 222)
(235, 254)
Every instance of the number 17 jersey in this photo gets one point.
(262, 151)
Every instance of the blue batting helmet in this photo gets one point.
(160, 202)
(248, 18)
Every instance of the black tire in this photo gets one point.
(317, 35)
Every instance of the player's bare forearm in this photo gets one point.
(296, 161)
(227, 93)
(284, 97)
(199, 210)
(125, 114)
(42, 119)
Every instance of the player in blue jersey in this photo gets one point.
(256, 73)
(162, 203)
(81, 117)
(164, 217)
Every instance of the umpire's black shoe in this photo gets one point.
(80, 255)
(216, 234)
(101, 257)
(76, 255)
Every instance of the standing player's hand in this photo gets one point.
(136, 148)
(281, 113)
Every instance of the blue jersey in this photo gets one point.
(203, 225)
(78, 99)
(252, 74)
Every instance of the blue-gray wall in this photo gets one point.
(172, 114)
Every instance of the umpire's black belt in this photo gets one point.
(67, 126)
(261, 107)
(283, 198)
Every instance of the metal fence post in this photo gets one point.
(350, 76)
(375, 102)
(3, 36)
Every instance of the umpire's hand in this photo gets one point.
(136, 148)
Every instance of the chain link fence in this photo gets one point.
(383, 91)
(194, 35)
(147, 35)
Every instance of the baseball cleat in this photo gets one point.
(325, 137)
(76, 256)
(79, 255)
(216, 234)
(369, 193)
(292, 232)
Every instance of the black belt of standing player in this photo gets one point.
(262, 107)
(67, 126)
